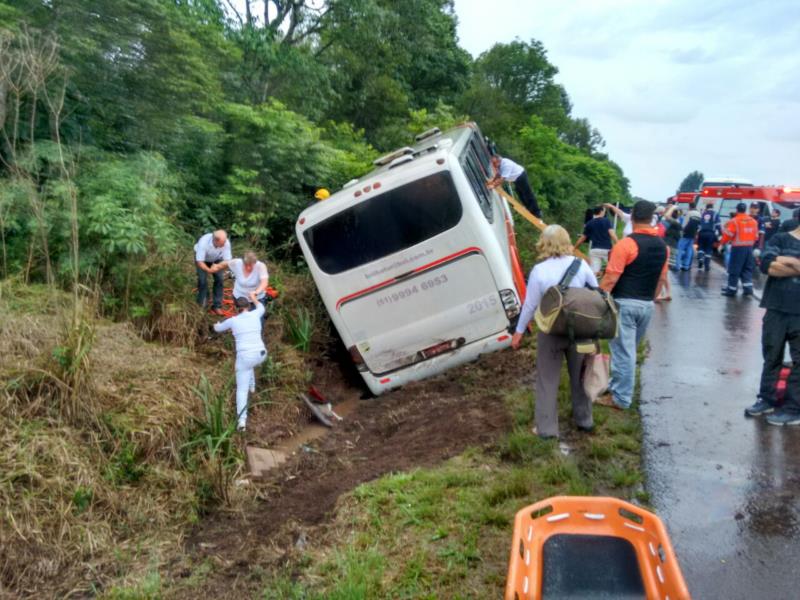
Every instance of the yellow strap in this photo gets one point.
(527, 215)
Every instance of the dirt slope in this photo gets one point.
(419, 425)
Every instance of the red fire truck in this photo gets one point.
(784, 199)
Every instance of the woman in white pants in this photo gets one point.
(250, 349)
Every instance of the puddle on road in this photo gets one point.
(771, 515)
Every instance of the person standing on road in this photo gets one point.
(706, 236)
(673, 224)
(210, 249)
(601, 235)
(636, 269)
(250, 276)
(791, 224)
(250, 350)
(555, 253)
(781, 326)
(742, 233)
(772, 226)
(664, 290)
(755, 212)
(507, 170)
(691, 225)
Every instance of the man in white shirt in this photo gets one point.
(250, 350)
(507, 170)
(210, 249)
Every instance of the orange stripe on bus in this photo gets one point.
(421, 269)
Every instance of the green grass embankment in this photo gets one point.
(445, 532)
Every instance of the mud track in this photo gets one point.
(419, 425)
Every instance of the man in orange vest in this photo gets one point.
(742, 233)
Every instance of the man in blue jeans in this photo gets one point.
(209, 250)
(636, 267)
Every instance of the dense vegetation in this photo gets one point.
(130, 126)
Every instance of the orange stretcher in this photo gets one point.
(228, 305)
(586, 547)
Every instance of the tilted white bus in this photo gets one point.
(416, 261)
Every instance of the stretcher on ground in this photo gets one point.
(228, 307)
(589, 547)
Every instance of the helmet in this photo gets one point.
(322, 194)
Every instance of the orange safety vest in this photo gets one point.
(741, 230)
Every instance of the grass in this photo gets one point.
(110, 455)
(213, 436)
(120, 491)
(300, 327)
(94, 493)
(444, 532)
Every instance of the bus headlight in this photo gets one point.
(510, 303)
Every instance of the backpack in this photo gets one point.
(577, 313)
(707, 225)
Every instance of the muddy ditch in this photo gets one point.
(417, 426)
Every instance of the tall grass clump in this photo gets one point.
(213, 441)
(47, 369)
(300, 327)
(71, 363)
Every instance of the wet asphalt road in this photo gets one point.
(726, 486)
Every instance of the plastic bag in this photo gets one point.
(596, 375)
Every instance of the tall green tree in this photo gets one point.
(135, 66)
(510, 82)
(391, 57)
(692, 182)
(566, 179)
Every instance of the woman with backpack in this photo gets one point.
(555, 258)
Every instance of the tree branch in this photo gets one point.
(235, 12)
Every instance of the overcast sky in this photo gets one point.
(672, 85)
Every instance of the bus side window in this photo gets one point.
(478, 183)
(484, 161)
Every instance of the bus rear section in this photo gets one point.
(410, 286)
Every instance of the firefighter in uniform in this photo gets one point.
(742, 233)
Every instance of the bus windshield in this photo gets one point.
(385, 224)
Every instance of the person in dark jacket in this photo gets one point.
(772, 226)
(781, 326)
(706, 236)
